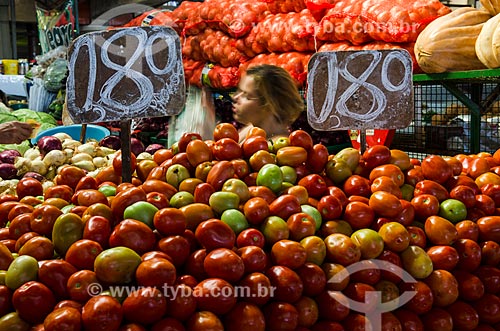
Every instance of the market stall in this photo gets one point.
(204, 233)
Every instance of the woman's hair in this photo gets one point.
(277, 91)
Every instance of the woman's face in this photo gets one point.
(246, 103)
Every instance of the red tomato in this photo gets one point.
(225, 130)
(488, 308)
(463, 315)
(28, 186)
(332, 306)
(256, 210)
(55, 274)
(301, 138)
(177, 247)
(58, 191)
(281, 316)
(82, 253)
(490, 253)
(357, 185)
(284, 206)
(437, 319)
(423, 299)
(425, 205)
(146, 305)
(470, 287)
(288, 253)
(490, 278)
(227, 149)
(43, 218)
(341, 249)
(254, 258)
(102, 312)
(81, 284)
(98, 229)
(253, 144)
(443, 257)
(33, 301)
(170, 221)
(313, 278)
(444, 287)
(359, 215)
(225, 264)
(133, 234)
(70, 175)
(215, 295)
(5, 300)
(68, 318)
(409, 320)
(204, 321)
(376, 155)
(125, 198)
(435, 168)
(385, 204)
(244, 316)
(250, 237)
(182, 305)
(301, 225)
(317, 158)
(469, 253)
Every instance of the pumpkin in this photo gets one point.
(492, 6)
(448, 42)
(488, 43)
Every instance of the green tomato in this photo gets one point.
(235, 219)
(270, 175)
(221, 201)
(176, 173)
(453, 210)
(181, 199)
(23, 269)
(315, 249)
(407, 191)
(13, 322)
(142, 211)
(337, 170)
(289, 174)
(279, 143)
(416, 262)
(314, 212)
(350, 156)
(274, 229)
(107, 190)
(68, 228)
(66, 209)
(116, 265)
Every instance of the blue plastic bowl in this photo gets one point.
(93, 132)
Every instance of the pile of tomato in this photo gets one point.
(216, 235)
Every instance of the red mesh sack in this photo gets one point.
(192, 71)
(213, 46)
(191, 48)
(157, 17)
(220, 78)
(282, 33)
(293, 62)
(318, 8)
(375, 45)
(234, 17)
(360, 21)
(285, 6)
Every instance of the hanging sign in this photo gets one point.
(57, 24)
(360, 90)
(125, 74)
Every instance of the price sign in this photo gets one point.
(124, 74)
(359, 90)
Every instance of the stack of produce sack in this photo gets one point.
(221, 39)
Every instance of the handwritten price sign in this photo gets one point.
(360, 90)
(125, 74)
